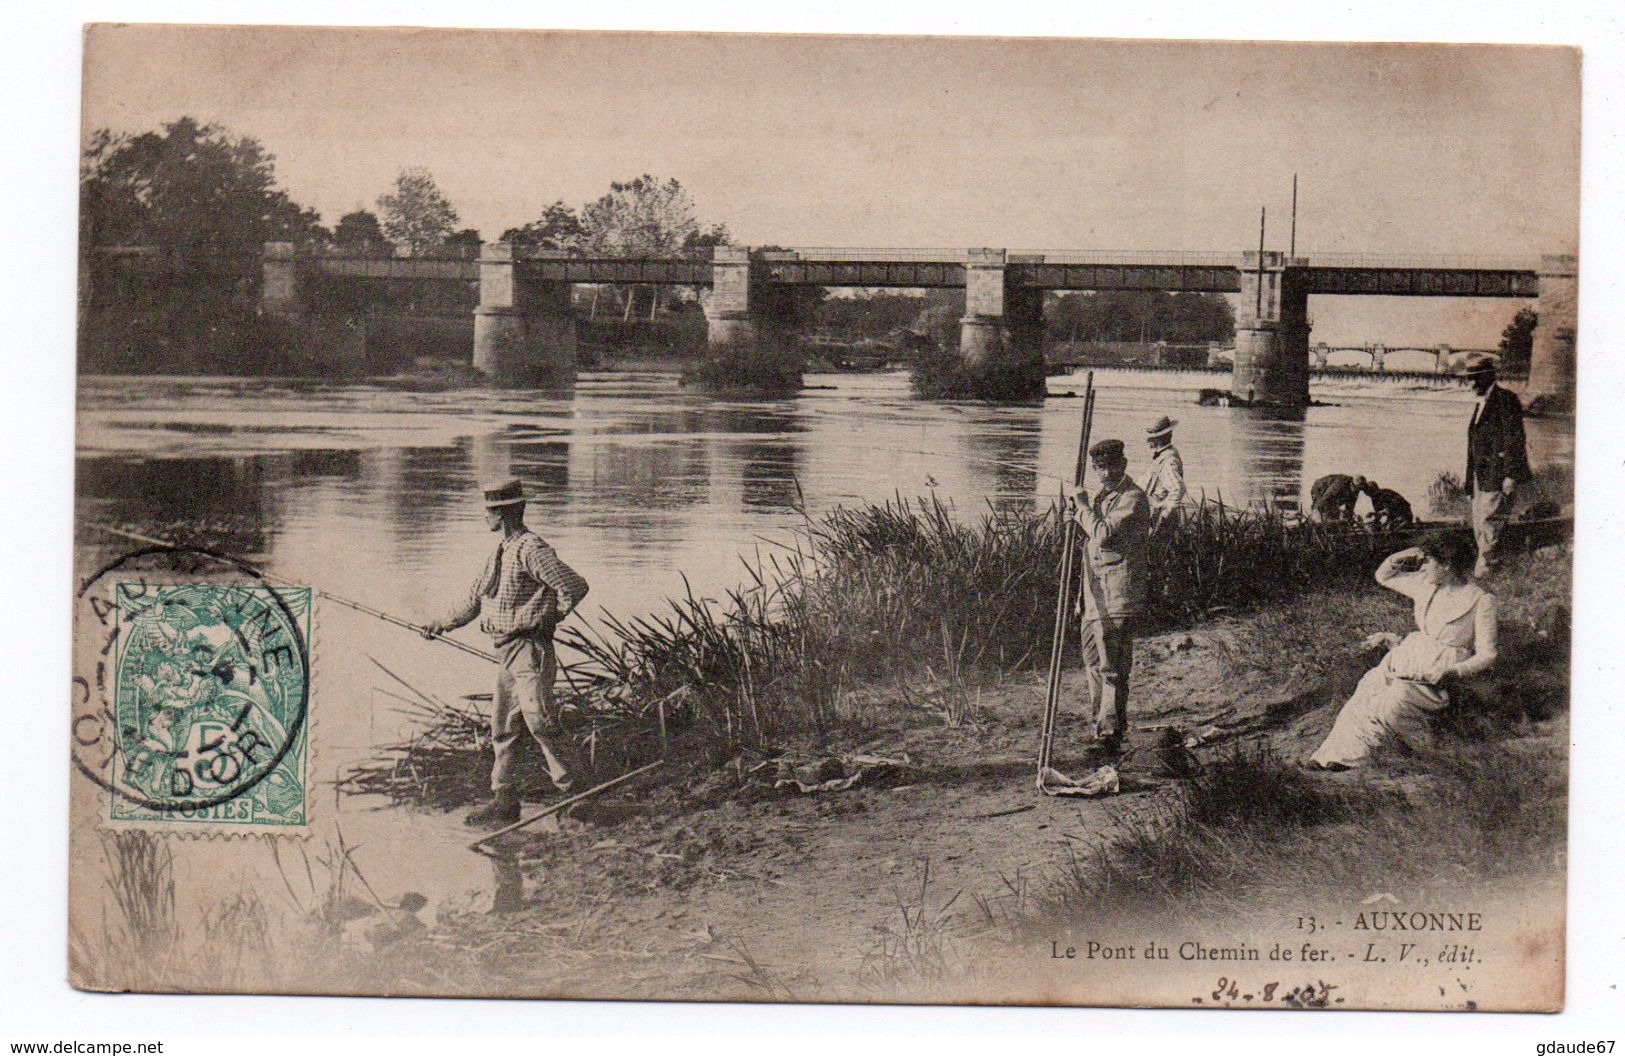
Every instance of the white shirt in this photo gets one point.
(1478, 405)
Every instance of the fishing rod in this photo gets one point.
(328, 595)
(1069, 535)
(478, 846)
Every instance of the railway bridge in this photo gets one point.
(524, 327)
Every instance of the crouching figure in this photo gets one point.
(1454, 639)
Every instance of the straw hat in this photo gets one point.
(1163, 426)
(502, 493)
(1479, 364)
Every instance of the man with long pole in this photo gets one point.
(520, 596)
(1115, 523)
(1063, 601)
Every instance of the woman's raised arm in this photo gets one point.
(1399, 572)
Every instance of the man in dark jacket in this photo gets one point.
(1497, 460)
(1333, 496)
(1389, 509)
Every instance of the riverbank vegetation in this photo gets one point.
(1005, 374)
(747, 370)
(874, 596)
(1547, 495)
(1483, 804)
(700, 857)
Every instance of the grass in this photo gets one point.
(1485, 802)
(892, 594)
(141, 874)
(915, 946)
(144, 943)
(1254, 830)
(1552, 486)
(237, 942)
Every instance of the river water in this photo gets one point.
(372, 493)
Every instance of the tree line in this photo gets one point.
(195, 190)
(195, 186)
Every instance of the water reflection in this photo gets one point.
(770, 468)
(244, 494)
(1267, 452)
(647, 488)
(1002, 452)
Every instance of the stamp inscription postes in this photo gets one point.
(191, 708)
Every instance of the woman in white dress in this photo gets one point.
(1454, 639)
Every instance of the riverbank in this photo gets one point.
(940, 873)
(946, 876)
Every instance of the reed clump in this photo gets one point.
(747, 368)
(1214, 559)
(1005, 374)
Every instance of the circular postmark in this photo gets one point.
(191, 689)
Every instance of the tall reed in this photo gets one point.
(879, 595)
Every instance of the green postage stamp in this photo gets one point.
(210, 696)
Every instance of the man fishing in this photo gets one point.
(520, 597)
(1115, 524)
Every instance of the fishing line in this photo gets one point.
(285, 582)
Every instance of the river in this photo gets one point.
(371, 492)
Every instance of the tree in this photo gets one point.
(417, 216)
(873, 315)
(1141, 315)
(710, 238)
(468, 236)
(357, 230)
(557, 228)
(642, 217)
(1518, 341)
(192, 185)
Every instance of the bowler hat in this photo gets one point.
(1161, 427)
(1107, 451)
(501, 493)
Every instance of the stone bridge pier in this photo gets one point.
(1552, 358)
(524, 330)
(1272, 332)
(997, 311)
(743, 310)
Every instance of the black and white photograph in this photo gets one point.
(863, 519)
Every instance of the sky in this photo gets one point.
(913, 142)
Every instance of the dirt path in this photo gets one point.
(750, 892)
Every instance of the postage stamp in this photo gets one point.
(201, 697)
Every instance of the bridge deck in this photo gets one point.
(1325, 274)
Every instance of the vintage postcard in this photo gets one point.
(823, 519)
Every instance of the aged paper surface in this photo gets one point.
(699, 408)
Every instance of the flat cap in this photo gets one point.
(1107, 451)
